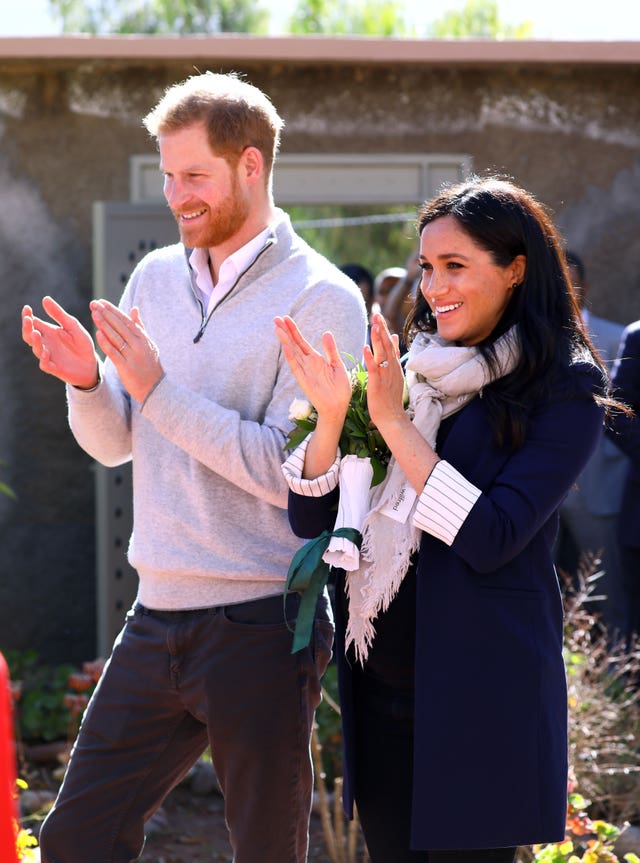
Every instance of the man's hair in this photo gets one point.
(359, 274)
(235, 114)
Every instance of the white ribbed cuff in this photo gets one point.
(318, 487)
(445, 502)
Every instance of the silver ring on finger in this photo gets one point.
(383, 364)
(123, 346)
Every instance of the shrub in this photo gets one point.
(49, 700)
(603, 678)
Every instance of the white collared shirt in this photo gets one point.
(230, 269)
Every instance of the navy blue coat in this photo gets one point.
(490, 753)
(626, 431)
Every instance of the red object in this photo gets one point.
(8, 811)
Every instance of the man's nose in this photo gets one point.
(174, 192)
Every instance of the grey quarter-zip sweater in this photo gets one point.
(209, 497)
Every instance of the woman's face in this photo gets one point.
(466, 290)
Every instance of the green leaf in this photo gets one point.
(362, 416)
(604, 830)
(357, 434)
(352, 423)
(295, 438)
(308, 425)
(379, 471)
(578, 801)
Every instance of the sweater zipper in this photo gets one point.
(207, 318)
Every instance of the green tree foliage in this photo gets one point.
(178, 17)
(354, 17)
(478, 19)
(350, 234)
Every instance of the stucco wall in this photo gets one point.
(568, 132)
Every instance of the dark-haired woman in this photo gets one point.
(449, 641)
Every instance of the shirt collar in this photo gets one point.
(231, 267)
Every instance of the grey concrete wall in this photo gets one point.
(67, 128)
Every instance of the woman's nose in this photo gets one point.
(432, 286)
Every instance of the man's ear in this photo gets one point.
(252, 165)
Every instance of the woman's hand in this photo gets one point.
(385, 381)
(326, 383)
(323, 379)
(385, 389)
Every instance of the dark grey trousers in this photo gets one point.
(175, 682)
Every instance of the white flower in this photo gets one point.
(300, 409)
(405, 395)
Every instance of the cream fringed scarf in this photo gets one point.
(442, 379)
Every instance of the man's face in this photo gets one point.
(205, 193)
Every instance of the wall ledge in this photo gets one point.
(242, 48)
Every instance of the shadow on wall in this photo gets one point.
(599, 226)
(47, 591)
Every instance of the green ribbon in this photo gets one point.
(308, 574)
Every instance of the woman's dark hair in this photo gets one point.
(508, 221)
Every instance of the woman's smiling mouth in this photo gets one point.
(441, 310)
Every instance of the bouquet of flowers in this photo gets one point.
(364, 462)
(359, 436)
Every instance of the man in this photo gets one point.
(626, 434)
(589, 514)
(195, 391)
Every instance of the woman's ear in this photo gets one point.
(518, 269)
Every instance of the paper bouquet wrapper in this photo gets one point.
(355, 484)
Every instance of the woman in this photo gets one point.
(454, 697)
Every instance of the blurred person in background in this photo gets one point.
(383, 284)
(625, 433)
(589, 514)
(364, 280)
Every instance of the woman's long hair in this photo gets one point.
(508, 221)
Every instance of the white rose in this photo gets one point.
(300, 409)
(405, 394)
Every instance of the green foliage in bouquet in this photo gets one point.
(359, 435)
